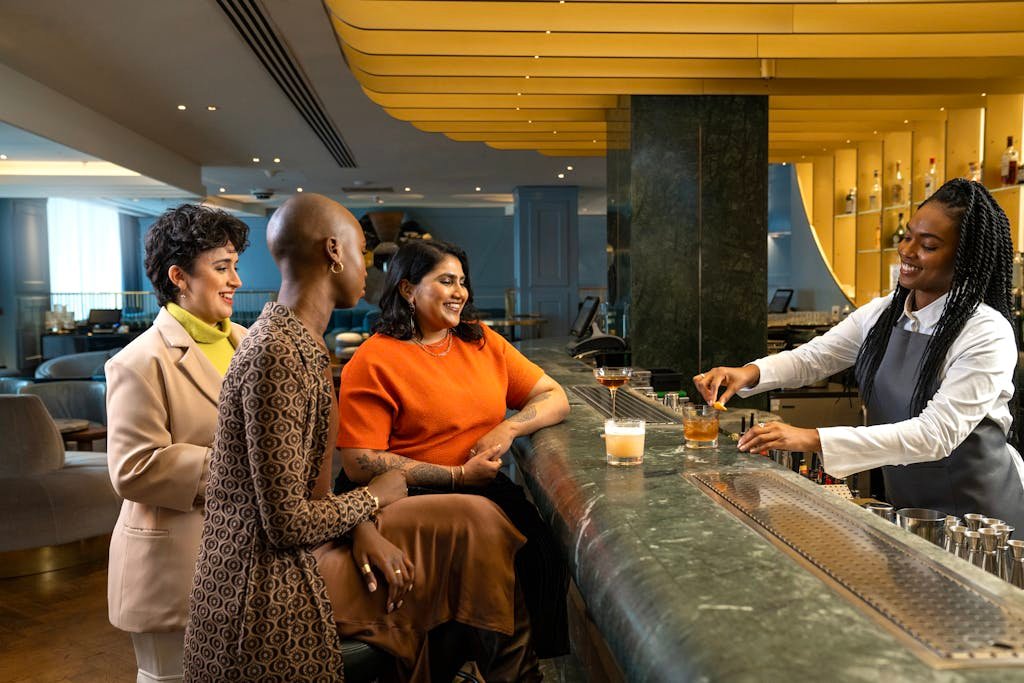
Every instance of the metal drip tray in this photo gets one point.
(948, 621)
(627, 405)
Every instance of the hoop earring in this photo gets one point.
(337, 267)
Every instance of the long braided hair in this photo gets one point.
(982, 271)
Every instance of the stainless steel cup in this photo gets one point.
(883, 510)
(972, 543)
(990, 550)
(928, 524)
(991, 521)
(954, 542)
(973, 521)
(1016, 563)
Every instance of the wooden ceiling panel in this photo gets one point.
(502, 72)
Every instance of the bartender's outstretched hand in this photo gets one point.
(731, 379)
(780, 436)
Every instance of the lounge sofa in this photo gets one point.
(57, 509)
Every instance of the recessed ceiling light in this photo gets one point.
(568, 168)
(379, 200)
(255, 160)
(803, 156)
(824, 149)
(942, 109)
(408, 189)
(548, 32)
(847, 142)
(477, 189)
(527, 78)
(517, 108)
(906, 120)
(211, 107)
(529, 120)
(519, 94)
(593, 140)
(561, 175)
(277, 160)
(223, 189)
(182, 107)
(874, 132)
(784, 163)
(536, 56)
(554, 132)
(298, 189)
(984, 94)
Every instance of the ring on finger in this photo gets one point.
(398, 572)
(366, 568)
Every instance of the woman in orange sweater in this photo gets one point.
(428, 394)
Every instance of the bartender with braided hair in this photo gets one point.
(934, 361)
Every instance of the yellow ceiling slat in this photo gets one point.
(857, 116)
(562, 18)
(619, 67)
(423, 115)
(554, 45)
(963, 100)
(940, 17)
(572, 152)
(839, 128)
(458, 101)
(904, 45)
(536, 138)
(581, 146)
(487, 87)
(506, 126)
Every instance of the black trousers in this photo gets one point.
(541, 569)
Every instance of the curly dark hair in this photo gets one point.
(179, 235)
(412, 262)
(982, 272)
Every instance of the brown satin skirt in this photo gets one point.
(462, 548)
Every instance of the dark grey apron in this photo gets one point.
(978, 476)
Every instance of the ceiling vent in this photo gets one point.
(259, 33)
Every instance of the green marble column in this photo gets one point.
(693, 235)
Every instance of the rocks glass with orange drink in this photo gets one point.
(700, 426)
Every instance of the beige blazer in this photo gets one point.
(162, 414)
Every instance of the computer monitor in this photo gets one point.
(104, 317)
(588, 309)
(780, 301)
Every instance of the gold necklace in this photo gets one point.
(449, 337)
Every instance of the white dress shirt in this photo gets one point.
(976, 382)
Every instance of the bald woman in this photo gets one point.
(287, 569)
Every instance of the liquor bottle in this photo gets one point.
(1008, 163)
(974, 171)
(876, 191)
(851, 200)
(901, 230)
(897, 187)
(929, 179)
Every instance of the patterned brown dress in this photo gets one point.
(259, 610)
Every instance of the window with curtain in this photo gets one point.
(85, 255)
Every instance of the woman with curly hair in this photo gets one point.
(934, 361)
(162, 392)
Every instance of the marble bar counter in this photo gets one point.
(680, 589)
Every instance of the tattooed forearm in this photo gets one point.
(525, 415)
(434, 476)
(378, 462)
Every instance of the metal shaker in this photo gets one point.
(972, 541)
(883, 510)
(973, 521)
(1016, 563)
(989, 550)
(955, 540)
(1004, 531)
